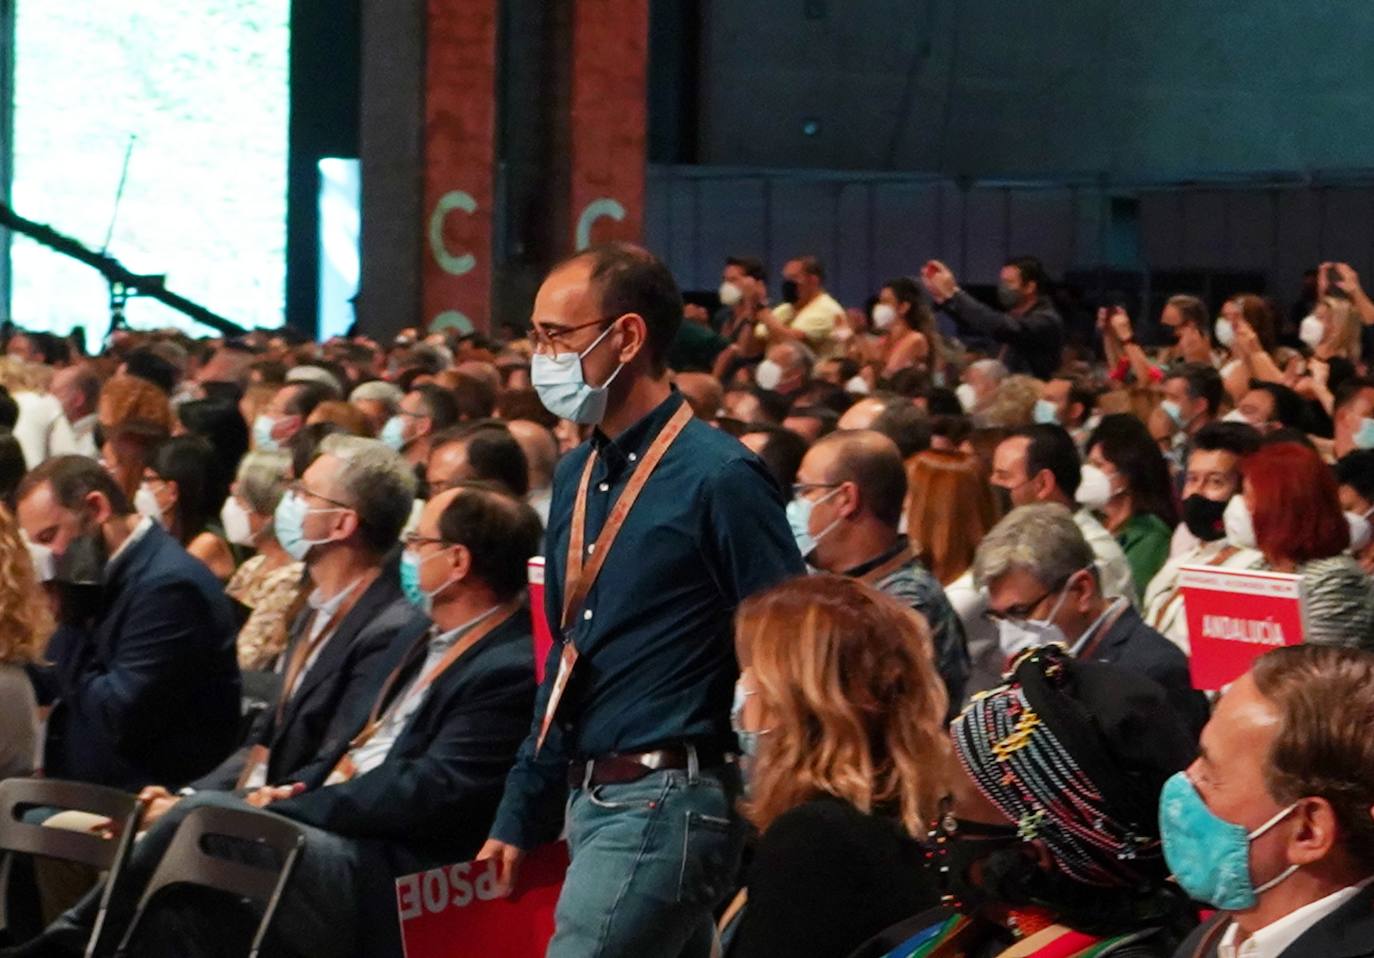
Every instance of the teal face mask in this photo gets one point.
(394, 433)
(262, 434)
(1209, 856)
(410, 582)
(1364, 436)
(1046, 413)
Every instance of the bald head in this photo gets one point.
(863, 414)
(868, 459)
(540, 448)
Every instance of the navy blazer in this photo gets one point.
(1132, 644)
(322, 717)
(431, 802)
(150, 694)
(1348, 932)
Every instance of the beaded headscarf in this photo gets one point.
(1068, 794)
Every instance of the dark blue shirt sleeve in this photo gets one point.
(747, 529)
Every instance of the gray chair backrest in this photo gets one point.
(187, 861)
(19, 794)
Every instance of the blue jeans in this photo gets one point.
(650, 860)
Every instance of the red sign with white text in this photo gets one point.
(1234, 617)
(543, 635)
(452, 911)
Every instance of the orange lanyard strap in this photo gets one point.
(378, 717)
(580, 578)
(304, 650)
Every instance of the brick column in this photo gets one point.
(459, 162)
(608, 120)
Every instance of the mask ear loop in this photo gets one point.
(1257, 833)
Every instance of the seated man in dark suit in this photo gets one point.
(416, 789)
(1042, 584)
(143, 674)
(342, 518)
(1271, 823)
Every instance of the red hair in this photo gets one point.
(1297, 509)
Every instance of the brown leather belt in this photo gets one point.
(621, 768)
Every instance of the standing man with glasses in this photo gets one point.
(659, 527)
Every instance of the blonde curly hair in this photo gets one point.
(851, 699)
(25, 621)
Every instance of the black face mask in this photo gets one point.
(789, 291)
(1203, 517)
(960, 846)
(79, 578)
(1003, 497)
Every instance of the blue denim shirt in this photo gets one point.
(656, 659)
(913, 585)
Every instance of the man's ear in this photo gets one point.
(97, 507)
(634, 337)
(461, 559)
(853, 502)
(1316, 834)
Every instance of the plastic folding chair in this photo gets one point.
(186, 861)
(17, 795)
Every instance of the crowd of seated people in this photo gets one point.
(935, 549)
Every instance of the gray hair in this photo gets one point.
(377, 482)
(378, 390)
(316, 374)
(801, 354)
(261, 479)
(1041, 539)
(991, 368)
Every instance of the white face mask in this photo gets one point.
(768, 375)
(858, 386)
(1094, 488)
(967, 397)
(1240, 525)
(238, 528)
(1311, 331)
(1359, 531)
(730, 294)
(146, 504)
(1235, 415)
(1014, 637)
(1226, 333)
(883, 316)
(44, 565)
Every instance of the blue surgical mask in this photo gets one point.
(1209, 856)
(410, 581)
(1364, 436)
(799, 518)
(262, 434)
(748, 738)
(393, 433)
(289, 522)
(1174, 411)
(562, 385)
(1046, 413)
